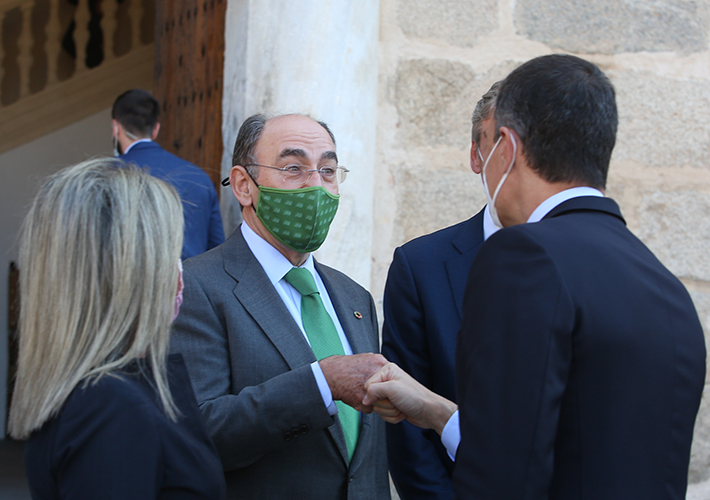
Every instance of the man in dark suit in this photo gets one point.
(135, 127)
(270, 397)
(581, 360)
(423, 303)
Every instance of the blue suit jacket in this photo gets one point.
(422, 312)
(203, 222)
(580, 364)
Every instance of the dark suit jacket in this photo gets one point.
(422, 307)
(580, 364)
(203, 222)
(250, 368)
(112, 440)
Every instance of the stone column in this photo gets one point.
(320, 58)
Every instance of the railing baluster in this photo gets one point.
(108, 26)
(81, 34)
(24, 45)
(136, 18)
(2, 51)
(53, 43)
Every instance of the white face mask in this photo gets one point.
(116, 152)
(492, 200)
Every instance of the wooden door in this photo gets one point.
(189, 61)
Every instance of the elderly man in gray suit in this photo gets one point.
(278, 346)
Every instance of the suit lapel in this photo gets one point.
(258, 296)
(468, 240)
(355, 329)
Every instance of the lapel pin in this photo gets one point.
(357, 314)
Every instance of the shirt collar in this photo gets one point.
(546, 206)
(134, 143)
(489, 226)
(274, 263)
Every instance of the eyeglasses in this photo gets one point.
(300, 174)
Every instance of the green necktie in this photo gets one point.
(325, 342)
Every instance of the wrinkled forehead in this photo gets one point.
(294, 137)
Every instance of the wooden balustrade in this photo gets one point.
(59, 61)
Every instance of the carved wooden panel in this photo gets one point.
(189, 65)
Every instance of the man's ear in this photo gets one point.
(242, 185)
(156, 129)
(114, 128)
(475, 161)
(510, 144)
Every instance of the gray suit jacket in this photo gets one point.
(250, 368)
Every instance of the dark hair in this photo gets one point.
(137, 112)
(483, 111)
(248, 136)
(564, 110)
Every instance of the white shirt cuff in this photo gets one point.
(324, 389)
(451, 435)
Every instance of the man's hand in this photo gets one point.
(397, 396)
(346, 376)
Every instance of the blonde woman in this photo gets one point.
(107, 414)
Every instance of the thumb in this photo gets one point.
(375, 392)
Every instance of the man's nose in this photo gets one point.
(314, 179)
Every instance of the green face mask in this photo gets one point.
(298, 218)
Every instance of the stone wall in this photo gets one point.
(437, 57)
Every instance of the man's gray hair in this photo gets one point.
(484, 110)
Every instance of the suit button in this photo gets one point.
(351, 479)
(288, 436)
(303, 429)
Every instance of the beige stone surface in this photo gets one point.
(698, 491)
(700, 293)
(451, 21)
(434, 100)
(663, 121)
(676, 227)
(615, 26)
(700, 453)
(429, 200)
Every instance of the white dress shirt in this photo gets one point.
(489, 227)
(276, 266)
(451, 435)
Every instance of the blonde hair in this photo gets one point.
(99, 259)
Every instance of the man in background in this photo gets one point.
(580, 361)
(423, 303)
(134, 128)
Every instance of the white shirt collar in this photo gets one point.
(489, 226)
(134, 143)
(274, 263)
(546, 206)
